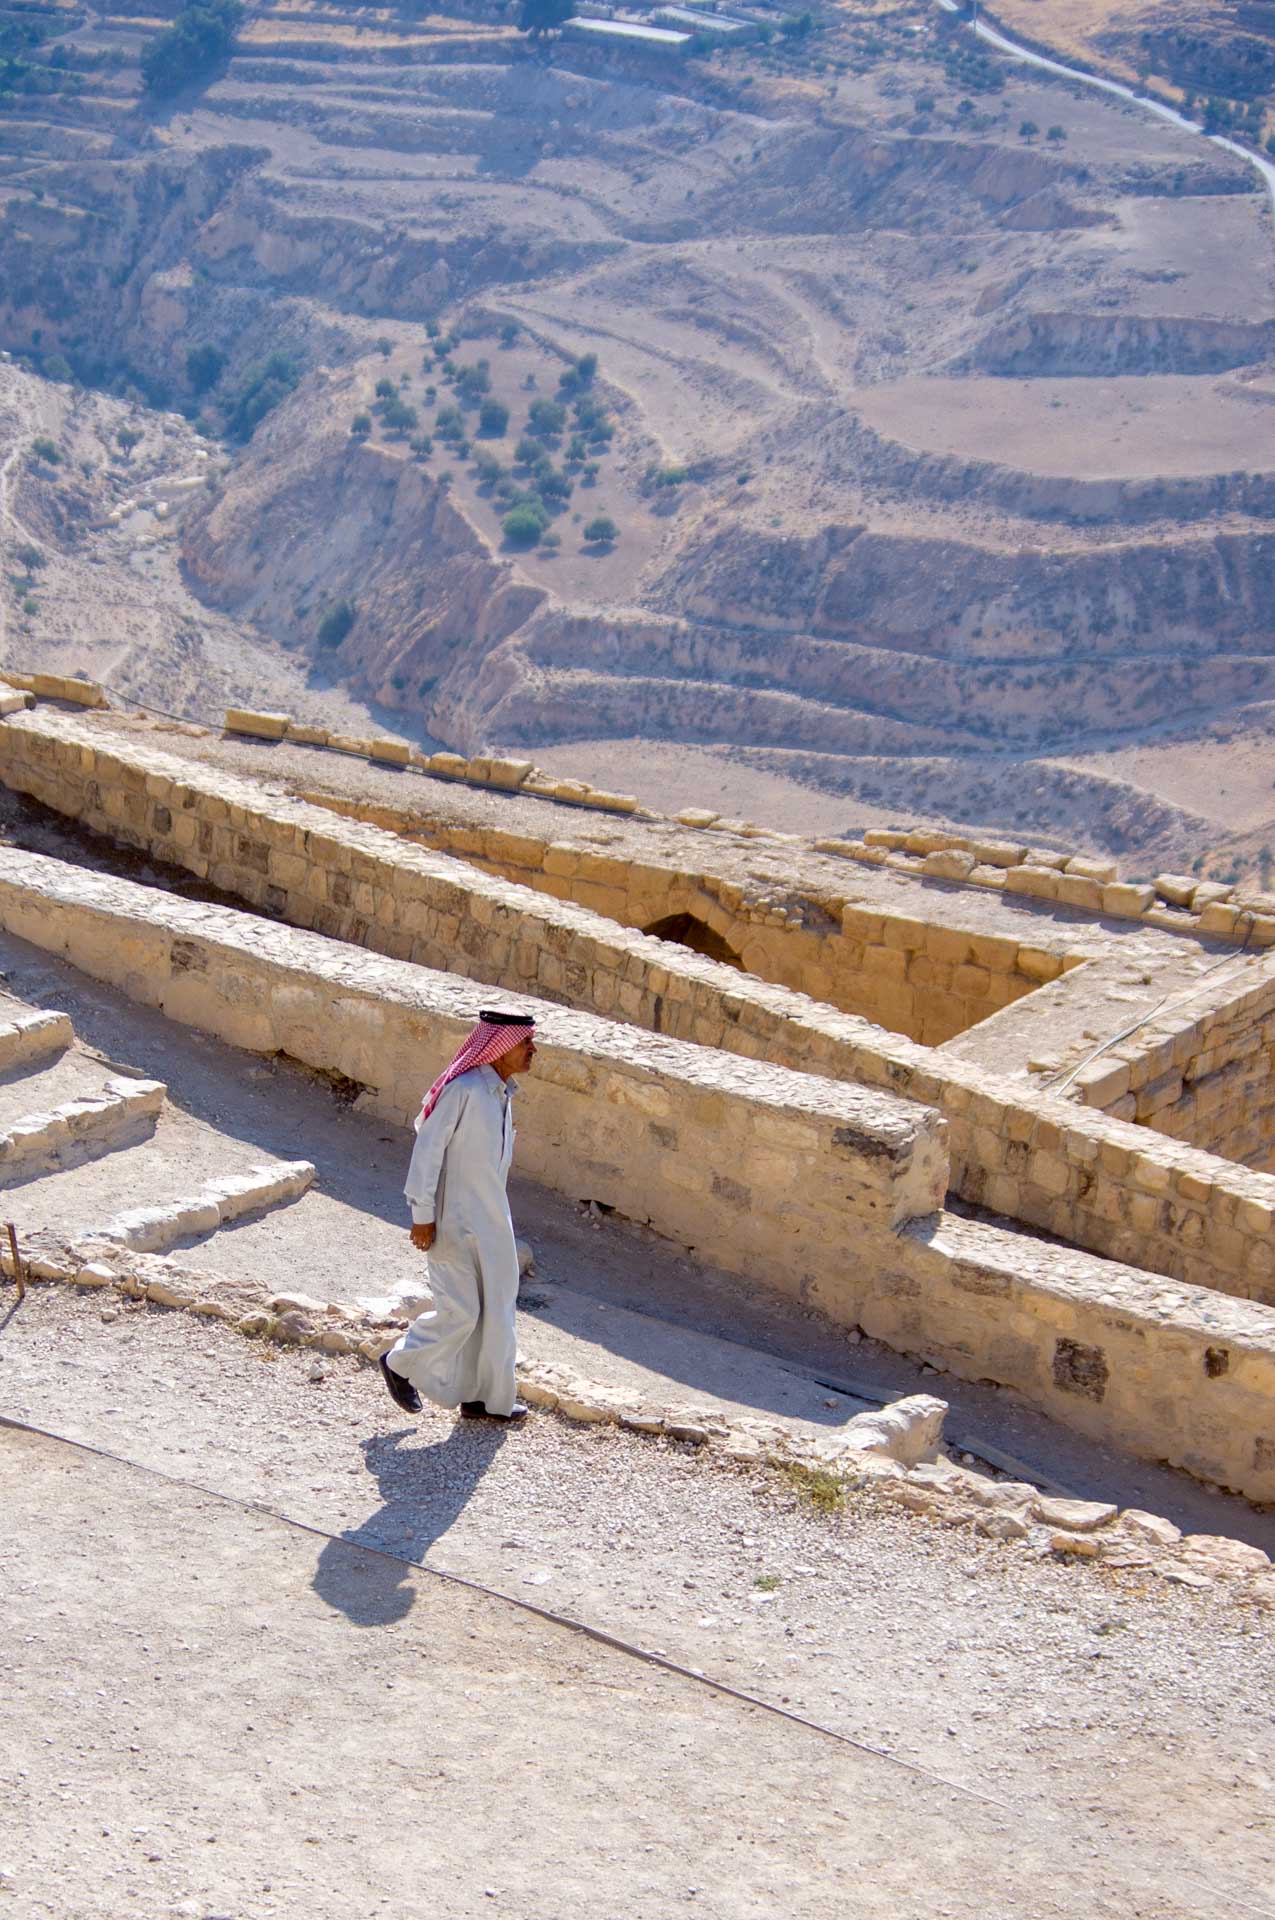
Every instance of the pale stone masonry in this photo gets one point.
(1118, 1189)
(826, 1191)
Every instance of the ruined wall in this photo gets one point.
(1202, 1071)
(1118, 1189)
(705, 1146)
(927, 982)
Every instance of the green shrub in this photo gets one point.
(601, 531)
(386, 346)
(398, 416)
(487, 467)
(29, 557)
(45, 449)
(669, 476)
(538, 17)
(386, 389)
(204, 367)
(522, 527)
(474, 381)
(546, 417)
(422, 446)
(199, 39)
(56, 367)
(509, 333)
(494, 419)
(263, 389)
(336, 623)
(528, 451)
(449, 423)
(361, 425)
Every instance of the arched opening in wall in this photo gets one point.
(687, 931)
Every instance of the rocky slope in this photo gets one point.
(794, 267)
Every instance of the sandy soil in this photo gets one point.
(1166, 425)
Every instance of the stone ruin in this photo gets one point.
(981, 1101)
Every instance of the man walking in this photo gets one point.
(461, 1352)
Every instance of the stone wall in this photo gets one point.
(700, 1145)
(1118, 1189)
(928, 982)
(1202, 1070)
(824, 1191)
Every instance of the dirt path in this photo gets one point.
(212, 1712)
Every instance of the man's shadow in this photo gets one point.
(363, 1574)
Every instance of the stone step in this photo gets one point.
(41, 1084)
(154, 1229)
(26, 1036)
(93, 1124)
(157, 1172)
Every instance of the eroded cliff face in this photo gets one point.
(310, 520)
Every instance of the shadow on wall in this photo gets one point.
(684, 930)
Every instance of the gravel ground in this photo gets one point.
(1127, 1728)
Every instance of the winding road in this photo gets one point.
(995, 38)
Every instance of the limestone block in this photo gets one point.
(1078, 1516)
(448, 766)
(1151, 1527)
(1089, 868)
(610, 802)
(304, 735)
(1036, 964)
(1075, 890)
(1127, 899)
(997, 853)
(1176, 889)
(1045, 857)
(508, 774)
(1217, 1555)
(887, 837)
(988, 876)
(1218, 917)
(695, 817)
(572, 790)
(926, 840)
(1040, 882)
(262, 726)
(948, 863)
(908, 1430)
(394, 753)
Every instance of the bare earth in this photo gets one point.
(240, 1716)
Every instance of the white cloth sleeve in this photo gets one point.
(427, 1155)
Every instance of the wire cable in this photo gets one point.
(1059, 1082)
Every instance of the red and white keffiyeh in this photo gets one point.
(495, 1035)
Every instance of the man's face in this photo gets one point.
(519, 1059)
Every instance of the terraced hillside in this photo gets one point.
(929, 402)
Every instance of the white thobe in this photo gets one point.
(464, 1347)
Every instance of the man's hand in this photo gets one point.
(423, 1238)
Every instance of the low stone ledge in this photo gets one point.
(29, 1036)
(233, 1197)
(58, 686)
(97, 1119)
(891, 1455)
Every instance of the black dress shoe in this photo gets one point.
(402, 1392)
(475, 1410)
(516, 1412)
